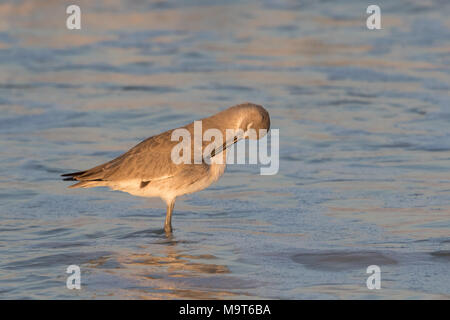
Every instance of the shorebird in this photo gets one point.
(148, 170)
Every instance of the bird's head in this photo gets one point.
(254, 121)
(246, 121)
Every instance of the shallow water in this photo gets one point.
(364, 149)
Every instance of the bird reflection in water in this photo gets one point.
(163, 271)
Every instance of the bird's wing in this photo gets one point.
(149, 160)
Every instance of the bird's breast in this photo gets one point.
(216, 171)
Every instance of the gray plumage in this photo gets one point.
(147, 169)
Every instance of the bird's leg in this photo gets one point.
(168, 223)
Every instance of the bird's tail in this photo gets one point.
(71, 176)
(87, 184)
(74, 176)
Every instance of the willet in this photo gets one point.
(148, 170)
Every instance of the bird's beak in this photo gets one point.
(225, 145)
